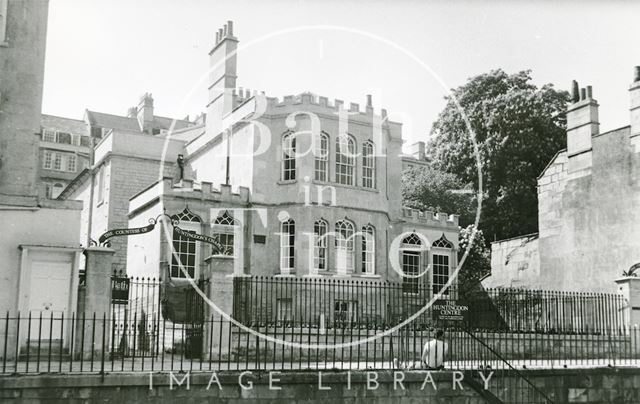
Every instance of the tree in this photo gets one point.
(426, 188)
(478, 261)
(518, 128)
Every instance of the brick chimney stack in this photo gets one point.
(222, 78)
(634, 92)
(145, 113)
(582, 124)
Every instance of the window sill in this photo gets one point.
(221, 257)
(286, 182)
(337, 184)
(285, 275)
(333, 274)
(4, 44)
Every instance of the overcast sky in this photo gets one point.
(102, 55)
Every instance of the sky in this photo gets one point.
(103, 55)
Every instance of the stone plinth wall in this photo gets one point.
(408, 345)
(604, 385)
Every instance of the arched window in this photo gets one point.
(287, 246)
(320, 228)
(345, 159)
(368, 165)
(441, 262)
(321, 172)
(186, 216)
(288, 157)
(412, 240)
(368, 250)
(442, 242)
(344, 247)
(224, 230)
(411, 263)
(184, 254)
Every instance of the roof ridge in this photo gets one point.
(63, 117)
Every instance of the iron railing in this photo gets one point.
(322, 302)
(318, 323)
(86, 342)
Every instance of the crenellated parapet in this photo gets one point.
(188, 190)
(318, 103)
(429, 217)
(206, 191)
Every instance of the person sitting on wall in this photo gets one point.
(433, 354)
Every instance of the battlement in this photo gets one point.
(241, 95)
(430, 217)
(187, 189)
(206, 191)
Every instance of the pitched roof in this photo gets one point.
(61, 124)
(187, 134)
(131, 124)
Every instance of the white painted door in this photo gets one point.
(49, 294)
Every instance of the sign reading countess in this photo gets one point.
(125, 232)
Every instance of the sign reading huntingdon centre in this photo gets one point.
(199, 237)
(448, 310)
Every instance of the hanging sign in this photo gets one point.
(200, 237)
(125, 232)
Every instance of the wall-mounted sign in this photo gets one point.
(450, 310)
(119, 290)
(201, 237)
(125, 232)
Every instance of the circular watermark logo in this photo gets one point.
(290, 151)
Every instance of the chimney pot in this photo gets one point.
(230, 28)
(369, 102)
(583, 94)
(636, 74)
(589, 92)
(575, 92)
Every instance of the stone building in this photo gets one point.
(126, 158)
(39, 246)
(65, 150)
(278, 202)
(588, 206)
(300, 194)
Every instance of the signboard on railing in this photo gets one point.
(119, 290)
(450, 310)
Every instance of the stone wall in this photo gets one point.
(590, 225)
(605, 385)
(409, 345)
(21, 78)
(514, 263)
(266, 387)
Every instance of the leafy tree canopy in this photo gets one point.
(427, 188)
(518, 128)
